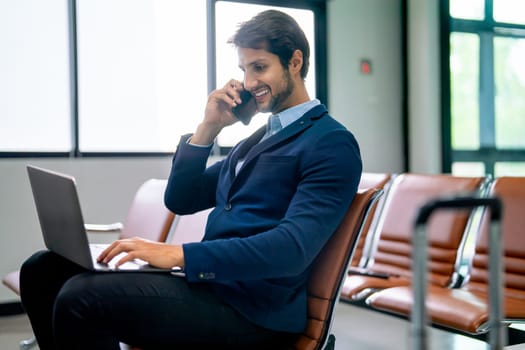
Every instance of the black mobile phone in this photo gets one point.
(247, 109)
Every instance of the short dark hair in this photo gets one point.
(275, 32)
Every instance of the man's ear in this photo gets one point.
(296, 62)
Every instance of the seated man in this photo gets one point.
(277, 198)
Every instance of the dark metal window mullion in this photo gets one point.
(447, 156)
(487, 121)
(487, 111)
(73, 77)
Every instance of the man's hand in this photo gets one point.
(157, 254)
(218, 113)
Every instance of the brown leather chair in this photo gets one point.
(466, 308)
(329, 272)
(366, 239)
(390, 262)
(147, 217)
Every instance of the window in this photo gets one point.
(467, 9)
(509, 77)
(117, 77)
(464, 97)
(34, 85)
(228, 16)
(509, 11)
(484, 85)
(141, 82)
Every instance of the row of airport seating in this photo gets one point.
(457, 299)
(147, 217)
(376, 234)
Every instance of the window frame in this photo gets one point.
(487, 29)
(318, 7)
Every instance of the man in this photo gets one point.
(277, 198)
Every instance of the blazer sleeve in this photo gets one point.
(191, 185)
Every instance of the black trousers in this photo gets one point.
(72, 308)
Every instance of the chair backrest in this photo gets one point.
(446, 229)
(329, 271)
(362, 249)
(189, 228)
(147, 215)
(511, 191)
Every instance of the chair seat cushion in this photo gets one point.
(358, 287)
(460, 309)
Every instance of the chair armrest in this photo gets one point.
(101, 228)
(12, 281)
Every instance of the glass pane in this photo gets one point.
(509, 71)
(35, 109)
(509, 11)
(468, 169)
(142, 73)
(228, 17)
(467, 9)
(509, 169)
(464, 90)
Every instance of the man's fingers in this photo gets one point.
(128, 257)
(105, 252)
(115, 249)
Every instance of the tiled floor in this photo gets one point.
(355, 329)
(12, 330)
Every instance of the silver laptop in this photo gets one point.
(60, 216)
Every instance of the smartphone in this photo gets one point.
(247, 109)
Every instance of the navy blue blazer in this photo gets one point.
(271, 219)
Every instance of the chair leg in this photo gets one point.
(28, 344)
(330, 343)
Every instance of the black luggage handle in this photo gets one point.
(460, 202)
(497, 335)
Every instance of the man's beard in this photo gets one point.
(277, 100)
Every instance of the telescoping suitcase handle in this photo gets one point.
(419, 268)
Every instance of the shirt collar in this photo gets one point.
(288, 116)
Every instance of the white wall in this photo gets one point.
(369, 105)
(424, 86)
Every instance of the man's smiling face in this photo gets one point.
(267, 80)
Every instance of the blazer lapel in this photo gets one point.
(300, 125)
(243, 148)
